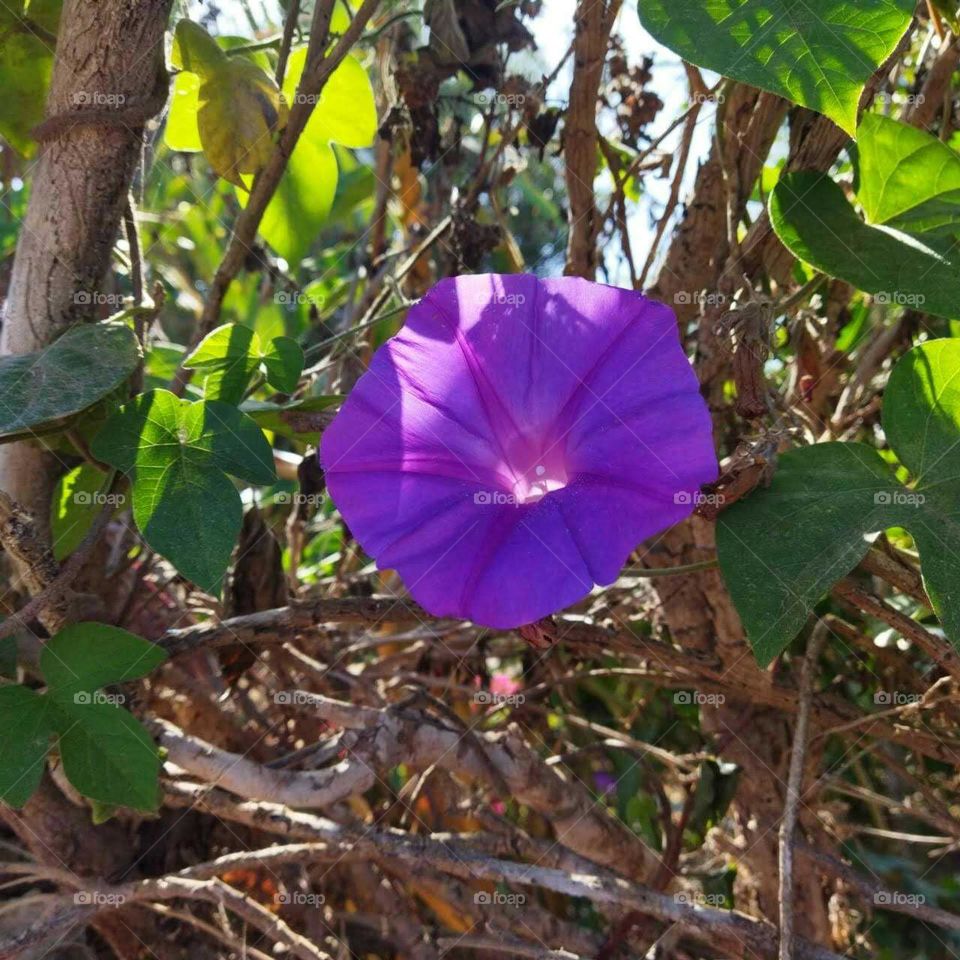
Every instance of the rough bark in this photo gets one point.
(593, 25)
(108, 52)
(697, 608)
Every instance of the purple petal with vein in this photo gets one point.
(518, 438)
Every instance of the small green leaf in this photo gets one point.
(283, 362)
(108, 755)
(73, 373)
(75, 505)
(819, 54)
(228, 357)
(84, 657)
(27, 728)
(231, 354)
(177, 454)
(815, 221)
(909, 180)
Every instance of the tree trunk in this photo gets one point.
(110, 52)
(109, 69)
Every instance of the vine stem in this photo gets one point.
(652, 572)
(788, 824)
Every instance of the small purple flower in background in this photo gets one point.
(606, 783)
(518, 438)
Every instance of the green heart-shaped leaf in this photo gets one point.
(78, 369)
(27, 728)
(815, 221)
(231, 354)
(177, 455)
(84, 657)
(783, 547)
(909, 180)
(108, 755)
(819, 53)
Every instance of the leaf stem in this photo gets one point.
(653, 572)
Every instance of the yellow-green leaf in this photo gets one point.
(240, 109)
(182, 131)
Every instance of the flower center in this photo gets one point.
(535, 483)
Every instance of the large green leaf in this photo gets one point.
(84, 657)
(782, 548)
(818, 53)
(177, 454)
(816, 222)
(108, 755)
(74, 372)
(909, 179)
(230, 355)
(302, 202)
(25, 718)
(345, 113)
(785, 546)
(921, 419)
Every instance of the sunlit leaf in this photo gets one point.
(819, 54)
(239, 107)
(909, 180)
(345, 113)
(815, 221)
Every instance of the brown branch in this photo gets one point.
(272, 627)
(736, 934)
(938, 650)
(24, 543)
(594, 21)
(788, 825)
(389, 737)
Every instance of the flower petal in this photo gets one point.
(516, 440)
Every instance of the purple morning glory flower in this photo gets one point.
(517, 439)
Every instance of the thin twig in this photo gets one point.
(791, 808)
